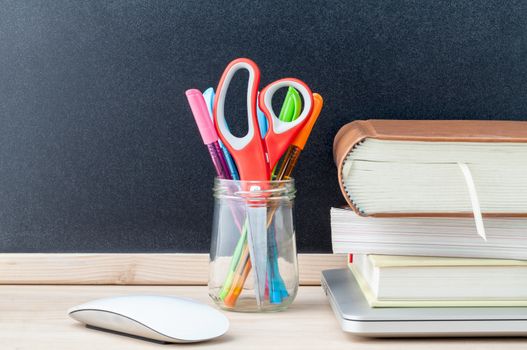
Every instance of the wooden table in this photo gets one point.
(34, 318)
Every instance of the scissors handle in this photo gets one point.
(248, 151)
(281, 133)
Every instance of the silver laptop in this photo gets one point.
(356, 316)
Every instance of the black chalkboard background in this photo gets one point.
(98, 149)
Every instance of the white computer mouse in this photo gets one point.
(161, 318)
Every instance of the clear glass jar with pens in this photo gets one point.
(253, 263)
(253, 260)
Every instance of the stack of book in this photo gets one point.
(437, 212)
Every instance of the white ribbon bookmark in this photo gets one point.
(476, 208)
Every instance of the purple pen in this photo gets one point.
(208, 132)
(220, 164)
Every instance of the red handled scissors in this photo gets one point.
(256, 157)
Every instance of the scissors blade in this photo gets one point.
(257, 240)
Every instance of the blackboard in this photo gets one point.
(98, 149)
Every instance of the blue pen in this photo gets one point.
(209, 99)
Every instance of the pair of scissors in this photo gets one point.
(256, 157)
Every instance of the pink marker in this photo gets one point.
(207, 131)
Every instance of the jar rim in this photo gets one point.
(255, 182)
(254, 190)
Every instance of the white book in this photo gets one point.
(399, 177)
(422, 236)
(410, 281)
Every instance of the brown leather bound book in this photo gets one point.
(433, 167)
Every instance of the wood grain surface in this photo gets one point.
(34, 317)
(133, 269)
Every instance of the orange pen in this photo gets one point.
(296, 147)
(242, 271)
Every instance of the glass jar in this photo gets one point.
(253, 262)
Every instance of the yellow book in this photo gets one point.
(410, 281)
